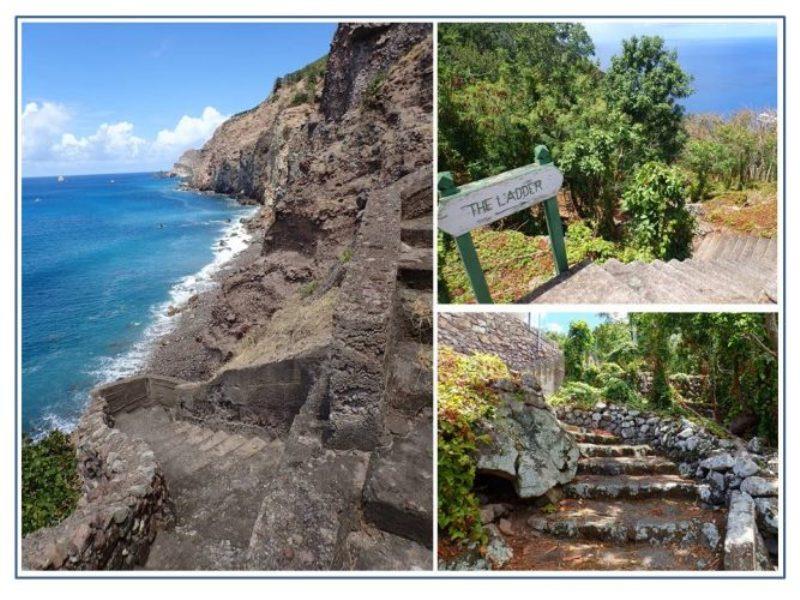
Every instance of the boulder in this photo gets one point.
(718, 462)
(528, 446)
(745, 549)
(758, 487)
(744, 467)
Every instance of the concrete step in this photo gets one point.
(626, 465)
(708, 287)
(590, 285)
(589, 450)
(717, 280)
(654, 287)
(597, 487)
(398, 492)
(657, 520)
(418, 232)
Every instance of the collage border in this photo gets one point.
(434, 574)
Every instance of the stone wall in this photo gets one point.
(507, 336)
(124, 498)
(363, 324)
(726, 469)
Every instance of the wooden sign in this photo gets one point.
(488, 200)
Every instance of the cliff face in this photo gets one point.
(313, 154)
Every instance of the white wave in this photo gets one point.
(233, 240)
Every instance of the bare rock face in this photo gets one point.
(528, 445)
(186, 164)
(314, 154)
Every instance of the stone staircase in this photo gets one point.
(725, 268)
(216, 481)
(627, 509)
(398, 490)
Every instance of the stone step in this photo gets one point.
(398, 492)
(376, 550)
(589, 450)
(596, 487)
(418, 232)
(410, 377)
(626, 465)
(708, 287)
(416, 313)
(584, 436)
(657, 520)
(415, 267)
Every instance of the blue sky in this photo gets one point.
(559, 321)
(133, 96)
(734, 64)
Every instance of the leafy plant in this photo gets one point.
(576, 393)
(300, 97)
(655, 204)
(576, 349)
(371, 95)
(465, 398)
(50, 485)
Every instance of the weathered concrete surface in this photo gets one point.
(744, 547)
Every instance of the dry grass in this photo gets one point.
(752, 212)
(304, 324)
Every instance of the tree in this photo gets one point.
(576, 349)
(645, 83)
(658, 220)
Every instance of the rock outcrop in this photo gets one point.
(527, 444)
(185, 165)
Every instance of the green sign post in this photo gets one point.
(462, 209)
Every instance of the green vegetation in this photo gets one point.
(50, 487)
(308, 77)
(372, 93)
(300, 97)
(308, 288)
(346, 255)
(465, 397)
(735, 353)
(630, 156)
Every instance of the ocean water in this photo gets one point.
(103, 257)
(729, 74)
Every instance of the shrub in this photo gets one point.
(371, 95)
(576, 349)
(50, 486)
(465, 398)
(618, 391)
(659, 221)
(576, 393)
(300, 97)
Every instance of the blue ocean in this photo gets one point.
(729, 74)
(103, 258)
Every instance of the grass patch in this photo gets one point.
(346, 255)
(50, 483)
(752, 212)
(371, 96)
(515, 263)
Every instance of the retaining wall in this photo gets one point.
(507, 336)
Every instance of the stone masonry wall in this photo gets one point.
(363, 324)
(507, 336)
(727, 470)
(124, 498)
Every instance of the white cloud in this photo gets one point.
(110, 142)
(555, 328)
(49, 144)
(190, 132)
(42, 125)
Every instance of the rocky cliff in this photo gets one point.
(314, 153)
